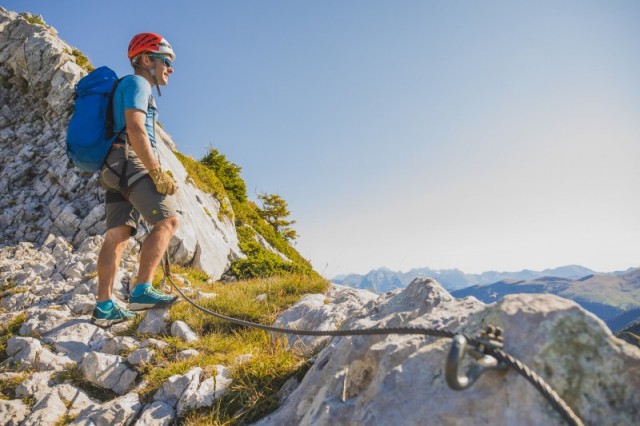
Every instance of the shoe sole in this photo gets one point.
(107, 323)
(143, 306)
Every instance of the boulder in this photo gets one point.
(181, 330)
(155, 322)
(108, 372)
(359, 380)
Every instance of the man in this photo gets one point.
(135, 182)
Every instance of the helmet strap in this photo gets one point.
(152, 71)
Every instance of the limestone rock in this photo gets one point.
(13, 412)
(118, 344)
(203, 393)
(357, 380)
(141, 356)
(181, 330)
(82, 303)
(27, 353)
(155, 343)
(107, 371)
(73, 337)
(187, 353)
(156, 321)
(175, 386)
(120, 411)
(314, 312)
(47, 411)
(157, 413)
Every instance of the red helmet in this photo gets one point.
(149, 42)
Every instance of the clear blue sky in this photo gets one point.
(478, 135)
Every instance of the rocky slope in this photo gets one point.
(41, 193)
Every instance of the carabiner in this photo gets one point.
(455, 379)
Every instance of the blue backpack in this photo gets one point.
(90, 132)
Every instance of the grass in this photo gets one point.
(7, 331)
(82, 60)
(252, 394)
(32, 19)
(206, 180)
(8, 387)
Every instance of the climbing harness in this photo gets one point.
(486, 349)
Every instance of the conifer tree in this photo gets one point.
(274, 210)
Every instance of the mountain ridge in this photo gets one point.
(384, 279)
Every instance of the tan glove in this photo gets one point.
(163, 181)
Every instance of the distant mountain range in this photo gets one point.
(384, 279)
(614, 297)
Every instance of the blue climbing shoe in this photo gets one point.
(150, 298)
(107, 318)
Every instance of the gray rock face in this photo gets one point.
(155, 322)
(120, 411)
(321, 312)
(181, 330)
(107, 371)
(156, 414)
(357, 380)
(13, 412)
(27, 353)
(37, 77)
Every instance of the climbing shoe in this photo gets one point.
(150, 298)
(115, 315)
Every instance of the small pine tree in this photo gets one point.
(274, 211)
(227, 172)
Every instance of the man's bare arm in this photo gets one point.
(139, 139)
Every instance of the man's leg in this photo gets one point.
(154, 247)
(107, 312)
(109, 259)
(143, 295)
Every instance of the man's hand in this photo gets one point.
(163, 181)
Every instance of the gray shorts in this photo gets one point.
(125, 206)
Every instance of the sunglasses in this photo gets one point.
(166, 61)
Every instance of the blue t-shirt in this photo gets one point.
(134, 92)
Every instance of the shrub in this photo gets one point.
(227, 172)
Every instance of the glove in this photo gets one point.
(163, 181)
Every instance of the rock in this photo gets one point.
(141, 356)
(157, 413)
(108, 372)
(313, 312)
(47, 411)
(199, 395)
(120, 411)
(181, 330)
(73, 337)
(203, 295)
(155, 322)
(119, 344)
(187, 353)
(357, 380)
(42, 321)
(36, 386)
(155, 343)
(261, 297)
(75, 399)
(13, 412)
(173, 389)
(243, 358)
(26, 353)
(82, 304)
